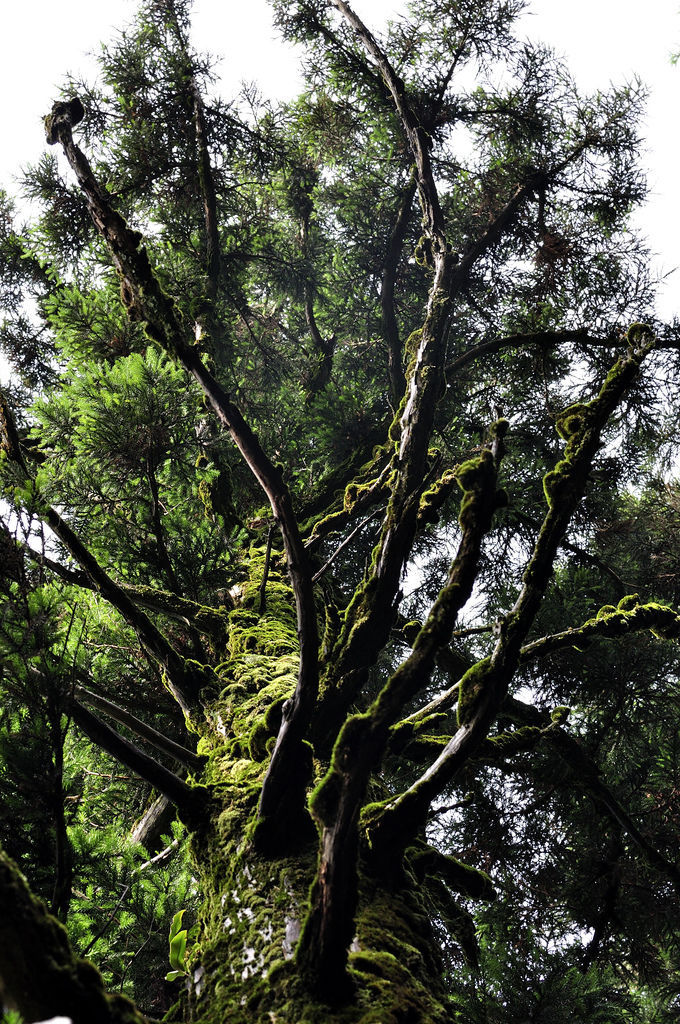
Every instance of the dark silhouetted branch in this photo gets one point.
(187, 757)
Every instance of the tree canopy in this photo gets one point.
(338, 646)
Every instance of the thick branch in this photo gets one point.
(183, 685)
(371, 611)
(628, 617)
(544, 339)
(483, 687)
(142, 292)
(39, 972)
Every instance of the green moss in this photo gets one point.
(462, 878)
(508, 743)
(412, 740)
(433, 499)
(572, 421)
(476, 478)
(560, 714)
(423, 252)
(471, 689)
(410, 631)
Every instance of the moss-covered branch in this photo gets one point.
(361, 743)
(542, 339)
(483, 687)
(428, 862)
(629, 616)
(144, 296)
(39, 973)
(611, 622)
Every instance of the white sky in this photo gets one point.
(603, 40)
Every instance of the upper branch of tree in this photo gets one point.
(585, 556)
(205, 171)
(389, 321)
(544, 339)
(325, 347)
(484, 686)
(328, 930)
(367, 622)
(143, 294)
(433, 219)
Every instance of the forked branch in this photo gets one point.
(483, 688)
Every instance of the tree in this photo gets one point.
(332, 475)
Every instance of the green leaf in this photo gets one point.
(178, 947)
(176, 924)
(172, 975)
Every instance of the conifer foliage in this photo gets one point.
(339, 605)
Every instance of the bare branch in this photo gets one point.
(187, 757)
(191, 801)
(433, 219)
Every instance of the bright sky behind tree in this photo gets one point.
(603, 40)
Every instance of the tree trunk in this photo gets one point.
(242, 965)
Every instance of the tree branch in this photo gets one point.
(544, 339)
(484, 686)
(187, 757)
(142, 293)
(336, 802)
(585, 556)
(390, 328)
(182, 682)
(39, 971)
(191, 801)
(587, 775)
(630, 616)
(433, 219)
(181, 609)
